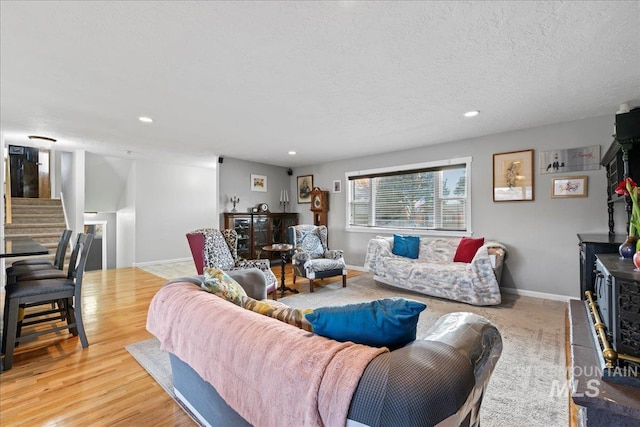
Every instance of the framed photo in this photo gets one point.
(570, 160)
(305, 185)
(569, 186)
(513, 176)
(258, 183)
(337, 186)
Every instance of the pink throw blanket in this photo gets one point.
(270, 372)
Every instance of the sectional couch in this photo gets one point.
(439, 379)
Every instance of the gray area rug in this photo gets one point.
(528, 386)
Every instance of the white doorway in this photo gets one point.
(97, 259)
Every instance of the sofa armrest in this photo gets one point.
(497, 253)
(473, 335)
(376, 249)
(262, 263)
(442, 377)
(334, 254)
(252, 280)
(300, 257)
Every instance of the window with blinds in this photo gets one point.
(430, 196)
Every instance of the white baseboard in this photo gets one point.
(166, 261)
(356, 267)
(543, 295)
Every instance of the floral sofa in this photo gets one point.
(435, 273)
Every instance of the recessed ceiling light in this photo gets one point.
(292, 153)
(471, 113)
(42, 138)
(145, 119)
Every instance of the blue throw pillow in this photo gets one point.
(406, 246)
(389, 322)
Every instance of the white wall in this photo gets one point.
(235, 177)
(105, 182)
(72, 187)
(540, 235)
(170, 201)
(126, 222)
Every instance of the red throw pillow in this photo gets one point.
(467, 249)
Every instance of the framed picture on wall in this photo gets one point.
(569, 186)
(305, 185)
(258, 183)
(513, 176)
(569, 160)
(337, 186)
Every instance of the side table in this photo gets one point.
(284, 250)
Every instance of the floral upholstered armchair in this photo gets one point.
(215, 248)
(312, 258)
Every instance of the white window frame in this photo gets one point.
(418, 231)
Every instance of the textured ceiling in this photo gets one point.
(330, 80)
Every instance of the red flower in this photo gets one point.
(622, 189)
(623, 185)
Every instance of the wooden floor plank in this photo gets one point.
(57, 382)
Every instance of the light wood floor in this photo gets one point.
(54, 381)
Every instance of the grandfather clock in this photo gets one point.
(319, 206)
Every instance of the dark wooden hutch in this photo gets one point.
(605, 330)
(256, 230)
(622, 159)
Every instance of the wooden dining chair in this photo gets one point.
(64, 291)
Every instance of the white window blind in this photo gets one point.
(429, 197)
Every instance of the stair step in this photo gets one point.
(39, 225)
(37, 219)
(28, 210)
(36, 236)
(48, 241)
(44, 227)
(21, 201)
(42, 220)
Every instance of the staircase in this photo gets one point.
(40, 219)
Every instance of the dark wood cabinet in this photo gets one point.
(605, 331)
(256, 230)
(590, 245)
(622, 159)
